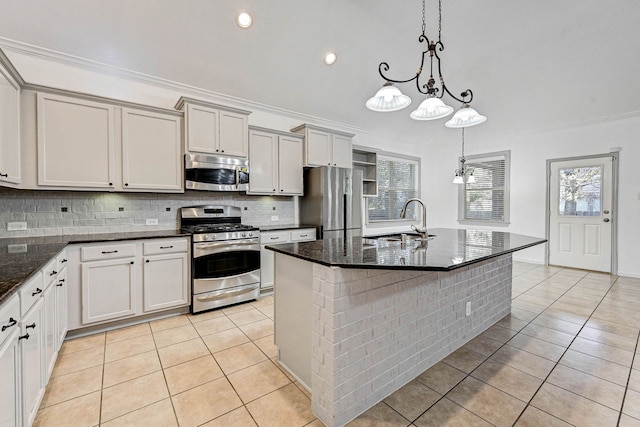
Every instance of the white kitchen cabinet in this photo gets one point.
(61, 307)
(49, 332)
(32, 358)
(10, 384)
(275, 160)
(151, 151)
(9, 128)
(76, 142)
(214, 129)
(166, 274)
(82, 145)
(267, 256)
(108, 289)
(325, 147)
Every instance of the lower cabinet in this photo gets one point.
(120, 280)
(10, 408)
(32, 355)
(267, 256)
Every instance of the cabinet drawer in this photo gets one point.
(61, 260)
(49, 272)
(30, 292)
(165, 246)
(275, 237)
(303, 235)
(9, 316)
(92, 253)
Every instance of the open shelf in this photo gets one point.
(367, 162)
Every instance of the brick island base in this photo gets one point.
(354, 336)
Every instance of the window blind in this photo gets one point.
(486, 199)
(397, 182)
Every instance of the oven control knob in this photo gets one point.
(244, 234)
(250, 234)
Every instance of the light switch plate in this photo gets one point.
(274, 217)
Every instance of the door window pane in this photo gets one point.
(579, 192)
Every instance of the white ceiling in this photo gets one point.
(531, 64)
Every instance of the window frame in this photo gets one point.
(384, 223)
(462, 189)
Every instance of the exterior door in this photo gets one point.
(580, 217)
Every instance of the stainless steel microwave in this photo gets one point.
(215, 173)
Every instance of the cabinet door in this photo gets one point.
(266, 268)
(166, 281)
(10, 384)
(151, 151)
(318, 148)
(342, 152)
(76, 145)
(234, 134)
(263, 162)
(62, 323)
(9, 129)
(202, 130)
(108, 290)
(31, 356)
(290, 166)
(49, 325)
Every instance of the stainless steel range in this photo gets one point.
(226, 256)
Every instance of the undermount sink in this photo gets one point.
(410, 237)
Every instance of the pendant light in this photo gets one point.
(463, 174)
(389, 98)
(465, 117)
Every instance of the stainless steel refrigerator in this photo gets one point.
(332, 201)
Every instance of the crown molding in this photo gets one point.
(50, 55)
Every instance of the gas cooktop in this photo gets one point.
(217, 228)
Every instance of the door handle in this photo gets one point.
(606, 220)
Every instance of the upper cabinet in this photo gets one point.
(151, 151)
(275, 162)
(325, 147)
(214, 129)
(9, 128)
(76, 142)
(82, 145)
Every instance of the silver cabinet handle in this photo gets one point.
(166, 247)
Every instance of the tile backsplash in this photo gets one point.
(73, 212)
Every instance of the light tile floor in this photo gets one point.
(565, 356)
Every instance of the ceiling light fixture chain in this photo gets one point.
(389, 98)
(463, 174)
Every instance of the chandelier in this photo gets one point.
(463, 174)
(389, 98)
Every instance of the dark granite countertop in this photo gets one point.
(22, 257)
(277, 227)
(448, 250)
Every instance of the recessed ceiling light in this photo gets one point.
(330, 58)
(244, 20)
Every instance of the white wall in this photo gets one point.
(529, 153)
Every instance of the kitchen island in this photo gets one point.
(356, 320)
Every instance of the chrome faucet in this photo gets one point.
(403, 213)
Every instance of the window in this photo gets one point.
(486, 201)
(398, 180)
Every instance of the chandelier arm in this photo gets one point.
(465, 94)
(385, 66)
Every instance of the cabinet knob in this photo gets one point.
(111, 183)
(36, 292)
(53, 273)
(12, 322)
(131, 262)
(222, 151)
(217, 150)
(126, 184)
(63, 261)
(4, 175)
(147, 261)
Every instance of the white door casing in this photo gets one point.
(581, 213)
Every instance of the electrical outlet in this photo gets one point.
(274, 217)
(468, 309)
(152, 221)
(16, 226)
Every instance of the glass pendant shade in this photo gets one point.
(458, 179)
(471, 179)
(465, 117)
(430, 109)
(388, 98)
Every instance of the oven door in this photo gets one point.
(223, 265)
